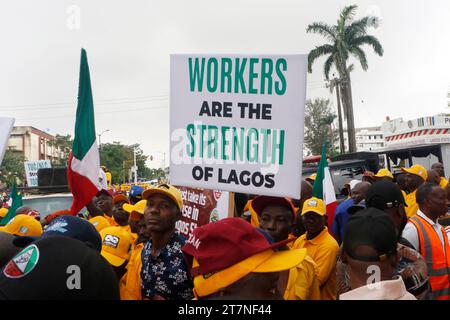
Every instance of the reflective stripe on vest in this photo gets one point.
(437, 258)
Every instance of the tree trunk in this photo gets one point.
(350, 119)
(341, 128)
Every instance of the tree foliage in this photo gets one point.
(318, 129)
(119, 159)
(64, 145)
(344, 39)
(12, 168)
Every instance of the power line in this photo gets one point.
(100, 101)
(73, 106)
(98, 113)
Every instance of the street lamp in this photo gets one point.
(100, 143)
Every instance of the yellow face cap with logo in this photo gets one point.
(167, 190)
(314, 205)
(384, 173)
(23, 225)
(313, 177)
(100, 223)
(116, 245)
(417, 170)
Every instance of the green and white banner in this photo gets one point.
(236, 122)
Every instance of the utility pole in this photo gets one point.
(100, 144)
(135, 168)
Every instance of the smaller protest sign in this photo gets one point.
(201, 206)
(31, 170)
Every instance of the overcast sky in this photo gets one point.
(128, 45)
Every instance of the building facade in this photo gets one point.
(34, 144)
(424, 130)
(367, 139)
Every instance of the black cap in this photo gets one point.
(384, 194)
(7, 247)
(370, 227)
(58, 268)
(68, 226)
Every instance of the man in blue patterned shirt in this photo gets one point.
(165, 272)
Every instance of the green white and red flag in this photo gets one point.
(84, 160)
(323, 186)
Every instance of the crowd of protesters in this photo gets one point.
(388, 241)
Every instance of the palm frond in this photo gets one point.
(361, 56)
(327, 66)
(347, 14)
(368, 40)
(318, 52)
(359, 27)
(323, 29)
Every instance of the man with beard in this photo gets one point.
(165, 272)
(387, 196)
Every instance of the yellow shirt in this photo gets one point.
(291, 244)
(443, 182)
(3, 212)
(254, 216)
(411, 203)
(130, 284)
(111, 220)
(303, 283)
(323, 249)
(108, 179)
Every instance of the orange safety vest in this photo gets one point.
(437, 258)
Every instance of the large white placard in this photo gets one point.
(236, 122)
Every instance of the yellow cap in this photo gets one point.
(23, 225)
(167, 190)
(314, 205)
(116, 245)
(384, 173)
(3, 212)
(264, 262)
(417, 170)
(135, 211)
(313, 177)
(99, 223)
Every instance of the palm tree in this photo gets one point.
(345, 39)
(333, 85)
